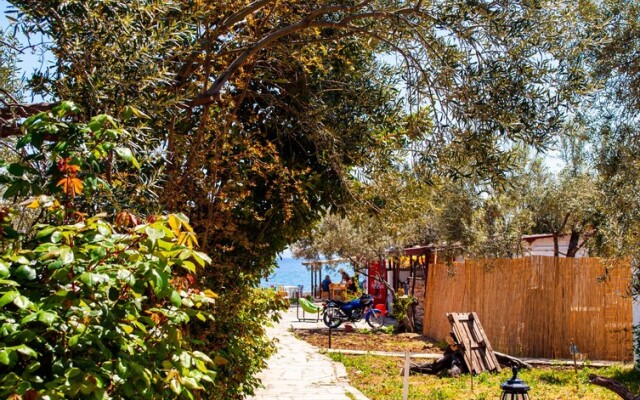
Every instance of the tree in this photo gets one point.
(250, 117)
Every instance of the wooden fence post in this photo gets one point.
(407, 367)
(635, 274)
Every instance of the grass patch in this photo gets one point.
(379, 379)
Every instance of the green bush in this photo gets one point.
(92, 313)
(91, 309)
(239, 336)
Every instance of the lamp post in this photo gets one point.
(514, 388)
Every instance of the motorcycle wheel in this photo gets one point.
(332, 317)
(375, 319)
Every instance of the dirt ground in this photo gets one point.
(369, 341)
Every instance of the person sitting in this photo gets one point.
(325, 283)
(345, 278)
(352, 287)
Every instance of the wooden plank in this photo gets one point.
(491, 357)
(474, 343)
(459, 334)
(476, 350)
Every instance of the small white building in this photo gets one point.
(542, 245)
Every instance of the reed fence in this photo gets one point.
(538, 306)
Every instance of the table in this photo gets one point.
(337, 291)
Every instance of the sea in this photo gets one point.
(291, 272)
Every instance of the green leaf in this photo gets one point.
(201, 356)
(21, 302)
(128, 329)
(154, 234)
(26, 139)
(130, 111)
(20, 259)
(73, 372)
(33, 367)
(14, 189)
(160, 281)
(185, 359)
(16, 169)
(47, 318)
(101, 121)
(182, 217)
(126, 154)
(189, 382)
(45, 232)
(66, 255)
(203, 256)
(4, 357)
(64, 108)
(8, 297)
(92, 278)
(55, 265)
(175, 386)
(25, 273)
(26, 350)
(139, 326)
(4, 270)
(73, 340)
(126, 276)
(176, 300)
(29, 318)
(56, 237)
(189, 266)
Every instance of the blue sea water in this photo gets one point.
(291, 272)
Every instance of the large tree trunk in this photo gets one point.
(450, 363)
(507, 360)
(573, 248)
(614, 386)
(454, 364)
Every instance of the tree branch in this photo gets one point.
(10, 114)
(24, 110)
(614, 386)
(308, 21)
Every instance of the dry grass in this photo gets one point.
(368, 341)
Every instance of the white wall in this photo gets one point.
(544, 247)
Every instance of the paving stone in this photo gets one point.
(298, 372)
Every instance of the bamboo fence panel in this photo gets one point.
(538, 306)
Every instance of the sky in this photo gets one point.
(28, 60)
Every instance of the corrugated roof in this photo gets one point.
(531, 238)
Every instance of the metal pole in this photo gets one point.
(330, 329)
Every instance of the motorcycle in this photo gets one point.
(335, 312)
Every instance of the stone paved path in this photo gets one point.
(299, 372)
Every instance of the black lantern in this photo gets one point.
(514, 388)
